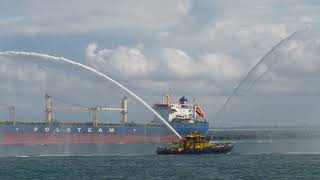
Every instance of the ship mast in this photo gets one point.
(11, 110)
(48, 108)
(124, 111)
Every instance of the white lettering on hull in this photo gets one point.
(69, 130)
(111, 130)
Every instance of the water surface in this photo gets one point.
(251, 159)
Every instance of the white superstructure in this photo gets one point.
(183, 111)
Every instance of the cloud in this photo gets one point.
(166, 65)
(60, 17)
(237, 38)
(123, 61)
(306, 19)
(176, 63)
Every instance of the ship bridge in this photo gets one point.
(181, 111)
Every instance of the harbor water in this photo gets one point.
(250, 159)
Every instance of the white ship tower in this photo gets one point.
(182, 111)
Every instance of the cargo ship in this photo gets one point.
(183, 116)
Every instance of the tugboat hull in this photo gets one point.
(218, 149)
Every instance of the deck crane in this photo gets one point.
(92, 110)
(11, 110)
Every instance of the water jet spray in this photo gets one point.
(248, 75)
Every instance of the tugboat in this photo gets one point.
(196, 143)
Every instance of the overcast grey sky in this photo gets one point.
(195, 48)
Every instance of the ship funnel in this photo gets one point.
(183, 100)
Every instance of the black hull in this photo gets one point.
(213, 150)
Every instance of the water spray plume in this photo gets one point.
(59, 59)
(269, 67)
(248, 75)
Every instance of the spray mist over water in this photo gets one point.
(253, 75)
(61, 59)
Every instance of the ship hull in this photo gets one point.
(104, 134)
(20, 139)
(221, 149)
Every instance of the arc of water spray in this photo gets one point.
(252, 70)
(16, 53)
(269, 68)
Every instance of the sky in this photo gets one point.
(199, 49)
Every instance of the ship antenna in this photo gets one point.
(170, 94)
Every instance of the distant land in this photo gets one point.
(264, 132)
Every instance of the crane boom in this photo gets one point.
(123, 110)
